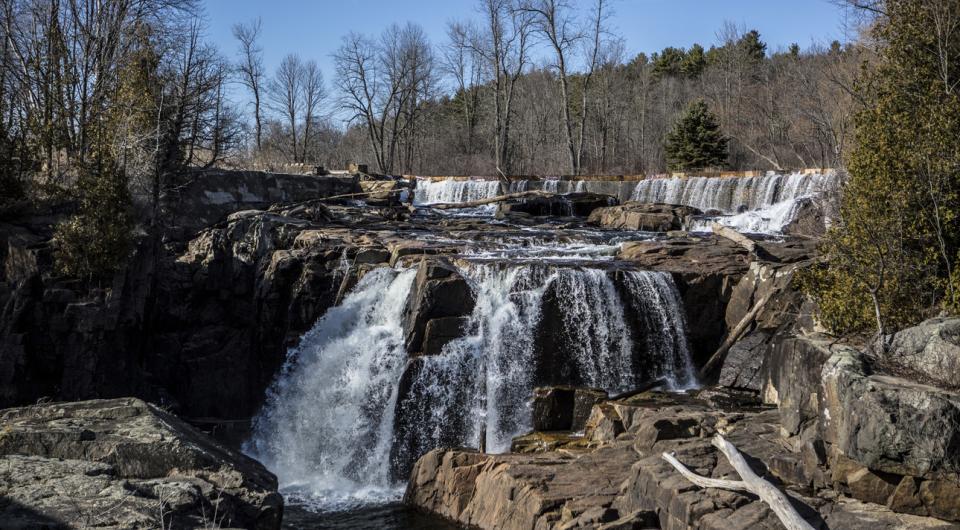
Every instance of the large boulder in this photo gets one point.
(643, 216)
(123, 463)
(570, 205)
(905, 434)
(439, 292)
(564, 408)
(809, 219)
(931, 349)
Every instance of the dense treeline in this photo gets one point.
(540, 87)
(526, 86)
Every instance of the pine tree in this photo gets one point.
(696, 141)
(893, 254)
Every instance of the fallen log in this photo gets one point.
(649, 385)
(733, 235)
(491, 200)
(778, 502)
(734, 335)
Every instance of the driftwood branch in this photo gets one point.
(750, 481)
(491, 200)
(735, 335)
(733, 235)
(649, 385)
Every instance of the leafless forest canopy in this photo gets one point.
(521, 87)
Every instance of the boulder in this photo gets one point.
(808, 220)
(643, 216)
(438, 292)
(932, 349)
(381, 192)
(569, 205)
(564, 408)
(440, 331)
(742, 366)
(123, 463)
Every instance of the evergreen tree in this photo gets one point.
(893, 254)
(696, 141)
(96, 241)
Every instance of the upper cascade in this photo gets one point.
(732, 195)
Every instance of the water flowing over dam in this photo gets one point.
(351, 412)
(759, 204)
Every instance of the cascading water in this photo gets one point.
(762, 204)
(350, 412)
(430, 191)
(730, 195)
(537, 325)
(326, 428)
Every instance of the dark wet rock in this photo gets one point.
(568, 205)
(809, 219)
(643, 216)
(121, 463)
(438, 292)
(440, 331)
(931, 349)
(564, 408)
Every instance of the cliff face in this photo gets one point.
(200, 324)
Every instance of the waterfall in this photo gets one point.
(326, 427)
(731, 195)
(535, 325)
(454, 190)
(350, 411)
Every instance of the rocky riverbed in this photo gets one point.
(350, 346)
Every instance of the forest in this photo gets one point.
(524, 87)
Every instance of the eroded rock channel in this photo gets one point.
(482, 364)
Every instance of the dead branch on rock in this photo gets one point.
(733, 235)
(491, 200)
(742, 327)
(735, 335)
(750, 481)
(649, 385)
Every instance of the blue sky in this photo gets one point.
(313, 28)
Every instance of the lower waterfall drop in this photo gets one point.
(535, 325)
(327, 426)
(351, 412)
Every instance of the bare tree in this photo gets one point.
(314, 97)
(286, 95)
(250, 69)
(504, 44)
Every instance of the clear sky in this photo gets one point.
(313, 28)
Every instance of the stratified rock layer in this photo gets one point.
(615, 477)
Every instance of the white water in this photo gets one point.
(731, 195)
(339, 420)
(763, 204)
(492, 370)
(326, 428)
(453, 190)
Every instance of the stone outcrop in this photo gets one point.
(122, 463)
(569, 205)
(904, 434)
(614, 477)
(809, 219)
(206, 197)
(564, 408)
(436, 307)
(644, 216)
(931, 350)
